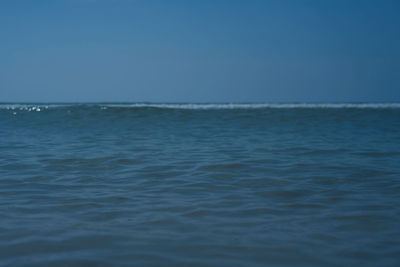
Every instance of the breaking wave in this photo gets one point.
(194, 106)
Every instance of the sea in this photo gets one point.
(219, 184)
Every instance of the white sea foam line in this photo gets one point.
(31, 106)
(255, 106)
(39, 107)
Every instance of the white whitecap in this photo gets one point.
(198, 106)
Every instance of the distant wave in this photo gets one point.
(33, 107)
(254, 106)
(192, 106)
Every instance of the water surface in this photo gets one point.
(200, 184)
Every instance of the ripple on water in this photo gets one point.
(199, 185)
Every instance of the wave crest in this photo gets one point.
(193, 106)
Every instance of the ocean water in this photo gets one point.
(199, 184)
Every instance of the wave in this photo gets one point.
(32, 107)
(193, 106)
(254, 106)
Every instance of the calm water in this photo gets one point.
(200, 185)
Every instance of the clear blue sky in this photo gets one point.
(200, 51)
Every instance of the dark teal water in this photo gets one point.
(199, 185)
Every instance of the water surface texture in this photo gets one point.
(200, 184)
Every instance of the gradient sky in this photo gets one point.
(200, 51)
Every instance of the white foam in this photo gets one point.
(31, 107)
(39, 107)
(257, 106)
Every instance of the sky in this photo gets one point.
(199, 51)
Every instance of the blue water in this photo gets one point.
(200, 185)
